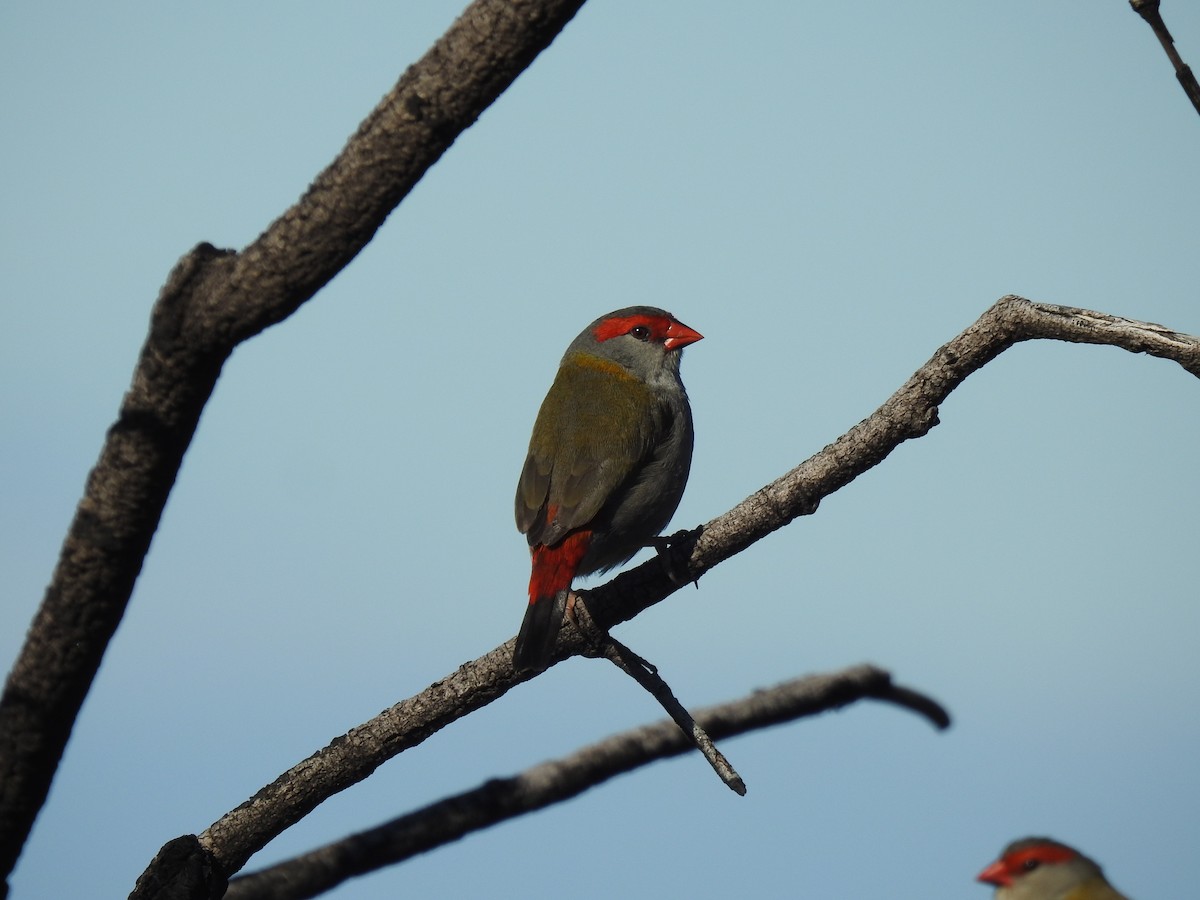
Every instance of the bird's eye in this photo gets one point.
(641, 332)
(1030, 864)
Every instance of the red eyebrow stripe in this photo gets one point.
(1044, 853)
(611, 328)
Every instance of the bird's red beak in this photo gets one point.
(679, 335)
(996, 874)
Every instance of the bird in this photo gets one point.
(607, 464)
(1040, 868)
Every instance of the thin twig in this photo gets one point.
(1148, 10)
(551, 782)
(604, 646)
(647, 676)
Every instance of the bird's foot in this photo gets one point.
(675, 553)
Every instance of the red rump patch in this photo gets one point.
(555, 567)
(611, 328)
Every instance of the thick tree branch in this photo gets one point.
(552, 782)
(909, 413)
(212, 301)
(1148, 10)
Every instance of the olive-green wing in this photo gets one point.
(594, 429)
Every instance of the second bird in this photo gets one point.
(607, 463)
(1040, 868)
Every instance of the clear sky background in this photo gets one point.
(828, 192)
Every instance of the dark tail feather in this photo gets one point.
(539, 633)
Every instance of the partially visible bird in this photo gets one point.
(1039, 868)
(607, 463)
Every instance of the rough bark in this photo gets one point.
(214, 300)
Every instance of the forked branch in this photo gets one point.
(908, 413)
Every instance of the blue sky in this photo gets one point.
(828, 192)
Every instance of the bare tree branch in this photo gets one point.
(910, 412)
(498, 800)
(1148, 10)
(215, 299)
(212, 301)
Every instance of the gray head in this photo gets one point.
(645, 340)
(1037, 867)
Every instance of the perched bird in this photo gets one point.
(607, 464)
(1038, 868)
